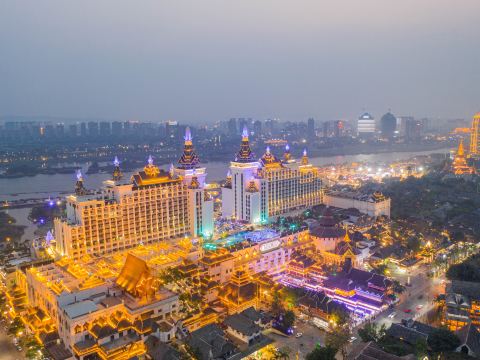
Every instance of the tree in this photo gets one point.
(397, 287)
(288, 319)
(421, 348)
(371, 332)
(339, 340)
(413, 243)
(321, 353)
(443, 340)
(283, 353)
(339, 315)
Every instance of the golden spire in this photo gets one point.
(117, 173)
(286, 155)
(151, 170)
(304, 157)
(460, 151)
(346, 237)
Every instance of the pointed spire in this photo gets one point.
(228, 180)
(49, 237)
(117, 174)
(347, 237)
(245, 154)
(151, 170)
(79, 188)
(304, 157)
(286, 155)
(460, 151)
(268, 150)
(188, 135)
(171, 171)
(245, 132)
(189, 159)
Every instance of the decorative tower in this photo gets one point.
(189, 159)
(150, 169)
(304, 157)
(245, 154)
(117, 174)
(48, 238)
(193, 176)
(459, 165)
(79, 188)
(242, 169)
(286, 155)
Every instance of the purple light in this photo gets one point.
(116, 162)
(79, 175)
(51, 203)
(245, 132)
(150, 160)
(268, 149)
(287, 147)
(304, 152)
(188, 134)
(42, 221)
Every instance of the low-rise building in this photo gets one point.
(375, 204)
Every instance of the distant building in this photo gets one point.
(413, 129)
(366, 125)
(311, 128)
(388, 125)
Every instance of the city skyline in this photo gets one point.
(169, 61)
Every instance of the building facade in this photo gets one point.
(257, 191)
(475, 136)
(374, 205)
(366, 125)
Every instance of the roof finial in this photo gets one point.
(171, 171)
(150, 160)
(188, 135)
(287, 147)
(79, 175)
(116, 162)
(268, 150)
(245, 132)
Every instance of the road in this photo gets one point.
(311, 335)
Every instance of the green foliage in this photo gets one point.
(338, 340)
(469, 270)
(288, 318)
(443, 340)
(371, 332)
(340, 315)
(321, 353)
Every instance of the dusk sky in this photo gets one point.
(209, 60)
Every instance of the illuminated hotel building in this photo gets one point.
(256, 191)
(475, 136)
(154, 206)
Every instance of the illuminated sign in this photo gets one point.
(269, 246)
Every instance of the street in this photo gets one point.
(311, 335)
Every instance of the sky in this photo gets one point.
(199, 61)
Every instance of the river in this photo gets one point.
(44, 186)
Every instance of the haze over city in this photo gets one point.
(203, 61)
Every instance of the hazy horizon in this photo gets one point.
(209, 60)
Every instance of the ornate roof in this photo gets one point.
(152, 175)
(189, 159)
(245, 154)
(79, 188)
(269, 160)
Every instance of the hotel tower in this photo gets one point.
(153, 206)
(255, 191)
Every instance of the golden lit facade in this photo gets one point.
(475, 136)
(108, 315)
(152, 208)
(256, 191)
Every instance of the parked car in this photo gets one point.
(297, 335)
